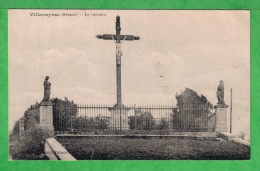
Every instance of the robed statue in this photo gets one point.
(220, 92)
(47, 89)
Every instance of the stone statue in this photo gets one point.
(220, 92)
(47, 89)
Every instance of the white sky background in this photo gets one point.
(177, 49)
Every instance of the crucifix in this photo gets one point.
(118, 39)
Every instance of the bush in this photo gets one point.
(143, 122)
(82, 123)
(31, 147)
(163, 125)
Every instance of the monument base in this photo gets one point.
(119, 117)
(221, 118)
(46, 115)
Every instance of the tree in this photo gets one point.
(189, 97)
(64, 112)
(192, 113)
(32, 116)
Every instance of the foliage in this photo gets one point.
(190, 98)
(192, 113)
(82, 123)
(15, 131)
(32, 116)
(64, 112)
(142, 120)
(31, 147)
(163, 124)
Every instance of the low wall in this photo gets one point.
(55, 151)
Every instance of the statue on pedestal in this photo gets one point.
(220, 93)
(47, 89)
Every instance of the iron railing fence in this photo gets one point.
(133, 118)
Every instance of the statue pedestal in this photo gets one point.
(221, 118)
(46, 115)
(119, 117)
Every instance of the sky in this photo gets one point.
(178, 49)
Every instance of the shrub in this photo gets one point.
(163, 125)
(31, 147)
(82, 123)
(144, 121)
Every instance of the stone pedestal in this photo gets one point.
(221, 118)
(119, 117)
(46, 115)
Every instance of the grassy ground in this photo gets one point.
(86, 148)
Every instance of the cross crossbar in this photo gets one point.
(121, 37)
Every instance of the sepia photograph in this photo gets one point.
(128, 84)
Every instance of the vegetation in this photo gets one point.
(98, 123)
(30, 146)
(192, 111)
(190, 98)
(142, 121)
(164, 124)
(153, 149)
(32, 116)
(63, 114)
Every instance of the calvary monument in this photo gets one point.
(119, 117)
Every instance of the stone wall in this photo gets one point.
(55, 151)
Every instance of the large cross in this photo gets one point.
(117, 39)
